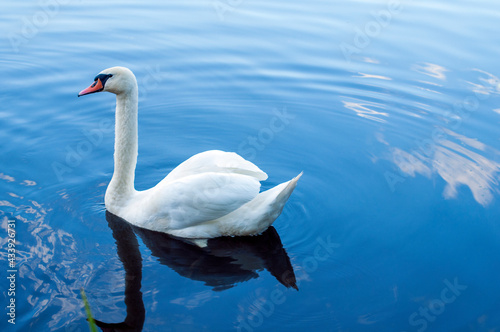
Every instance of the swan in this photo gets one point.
(212, 194)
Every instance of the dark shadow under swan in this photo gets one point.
(219, 263)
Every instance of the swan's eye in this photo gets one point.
(103, 78)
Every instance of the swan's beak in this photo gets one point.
(95, 87)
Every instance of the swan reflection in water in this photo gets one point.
(220, 263)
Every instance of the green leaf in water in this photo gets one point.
(92, 326)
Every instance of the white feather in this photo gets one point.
(211, 194)
(216, 161)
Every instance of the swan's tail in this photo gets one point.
(257, 215)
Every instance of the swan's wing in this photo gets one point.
(218, 162)
(194, 199)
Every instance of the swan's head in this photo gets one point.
(116, 80)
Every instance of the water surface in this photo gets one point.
(391, 109)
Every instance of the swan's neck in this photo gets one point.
(121, 186)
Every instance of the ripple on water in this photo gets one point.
(52, 263)
(214, 82)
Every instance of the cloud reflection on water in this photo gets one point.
(447, 152)
(48, 279)
(431, 69)
(458, 160)
(366, 110)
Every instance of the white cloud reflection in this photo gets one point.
(49, 275)
(458, 160)
(379, 77)
(491, 82)
(366, 110)
(431, 70)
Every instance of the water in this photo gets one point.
(391, 109)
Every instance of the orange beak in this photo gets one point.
(95, 87)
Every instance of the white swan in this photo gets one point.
(211, 194)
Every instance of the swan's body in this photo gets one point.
(211, 194)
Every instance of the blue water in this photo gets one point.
(391, 109)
